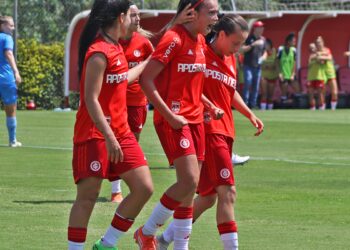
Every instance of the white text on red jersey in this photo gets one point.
(116, 78)
(191, 68)
(228, 80)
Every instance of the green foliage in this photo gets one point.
(41, 68)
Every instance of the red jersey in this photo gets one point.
(112, 97)
(180, 84)
(136, 50)
(219, 87)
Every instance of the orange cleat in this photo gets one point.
(116, 197)
(145, 242)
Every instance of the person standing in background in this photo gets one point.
(9, 77)
(254, 54)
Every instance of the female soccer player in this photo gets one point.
(173, 82)
(137, 48)
(269, 76)
(9, 78)
(217, 180)
(329, 70)
(104, 147)
(316, 78)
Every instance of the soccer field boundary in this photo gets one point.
(252, 158)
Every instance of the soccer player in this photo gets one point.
(269, 77)
(137, 48)
(104, 147)
(217, 179)
(173, 83)
(316, 78)
(328, 66)
(287, 56)
(9, 78)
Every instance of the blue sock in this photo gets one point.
(11, 123)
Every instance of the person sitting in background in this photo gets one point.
(9, 77)
(269, 77)
(287, 56)
(316, 79)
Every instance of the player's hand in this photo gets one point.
(177, 121)
(114, 151)
(217, 113)
(280, 76)
(18, 78)
(185, 16)
(258, 124)
(259, 42)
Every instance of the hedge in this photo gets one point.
(41, 69)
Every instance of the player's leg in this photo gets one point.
(334, 93)
(311, 94)
(87, 192)
(255, 87)
(321, 98)
(284, 90)
(270, 92)
(116, 195)
(264, 94)
(248, 80)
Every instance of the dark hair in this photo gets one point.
(269, 42)
(197, 4)
(290, 37)
(229, 24)
(103, 14)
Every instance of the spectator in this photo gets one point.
(269, 77)
(316, 79)
(328, 65)
(287, 56)
(254, 54)
(9, 78)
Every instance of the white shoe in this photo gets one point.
(239, 160)
(161, 243)
(15, 144)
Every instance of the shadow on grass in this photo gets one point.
(100, 199)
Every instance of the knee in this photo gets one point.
(229, 196)
(87, 200)
(191, 183)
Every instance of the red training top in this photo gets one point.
(219, 87)
(180, 84)
(136, 50)
(112, 97)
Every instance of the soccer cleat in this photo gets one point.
(161, 243)
(145, 242)
(239, 160)
(117, 197)
(15, 144)
(98, 246)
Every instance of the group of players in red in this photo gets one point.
(191, 81)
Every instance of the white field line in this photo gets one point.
(252, 158)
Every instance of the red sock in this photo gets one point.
(183, 213)
(227, 227)
(168, 202)
(77, 234)
(121, 223)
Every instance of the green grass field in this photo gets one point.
(293, 194)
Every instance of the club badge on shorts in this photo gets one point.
(184, 143)
(95, 166)
(225, 173)
(137, 53)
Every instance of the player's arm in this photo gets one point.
(136, 71)
(95, 68)
(152, 70)
(241, 107)
(11, 60)
(215, 112)
(347, 53)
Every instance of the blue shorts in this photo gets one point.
(8, 93)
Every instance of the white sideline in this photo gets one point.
(252, 158)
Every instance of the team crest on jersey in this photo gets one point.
(225, 173)
(95, 166)
(175, 107)
(207, 117)
(215, 64)
(190, 52)
(137, 53)
(184, 143)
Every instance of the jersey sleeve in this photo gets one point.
(148, 48)
(279, 53)
(168, 47)
(8, 45)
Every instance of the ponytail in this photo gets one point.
(103, 14)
